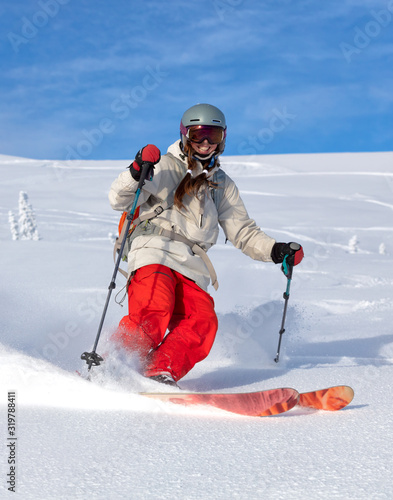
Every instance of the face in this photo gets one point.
(204, 148)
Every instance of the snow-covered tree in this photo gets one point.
(353, 244)
(13, 225)
(27, 223)
(382, 249)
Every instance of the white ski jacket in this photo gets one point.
(198, 221)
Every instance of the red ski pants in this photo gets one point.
(160, 299)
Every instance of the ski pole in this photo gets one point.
(287, 269)
(92, 358)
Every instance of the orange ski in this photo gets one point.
(331, 399)
(255, 404)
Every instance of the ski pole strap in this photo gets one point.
(287, 268)
(286, 293)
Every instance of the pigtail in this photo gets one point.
(181, 190)
(190, 185)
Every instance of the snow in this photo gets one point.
(101, 440)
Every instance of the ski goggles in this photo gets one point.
(198, 133)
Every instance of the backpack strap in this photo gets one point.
(195, 248)
(217, 193)
(155, 212)
(136, 222)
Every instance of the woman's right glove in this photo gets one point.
(293, 250)
(149, 155)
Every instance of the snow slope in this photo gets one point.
(101, 440)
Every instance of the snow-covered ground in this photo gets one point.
(101, 440)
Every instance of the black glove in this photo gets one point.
(293, 250)
(149, 155)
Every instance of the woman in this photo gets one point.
(183, 202)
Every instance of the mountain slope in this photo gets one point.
(101, 439)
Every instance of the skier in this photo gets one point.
(171, 321)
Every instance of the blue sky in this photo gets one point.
(84, 79)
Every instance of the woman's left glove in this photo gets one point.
(149, 155)
(293, 250)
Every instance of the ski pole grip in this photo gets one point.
(146, 165)
(294, 246)
(288, 268)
